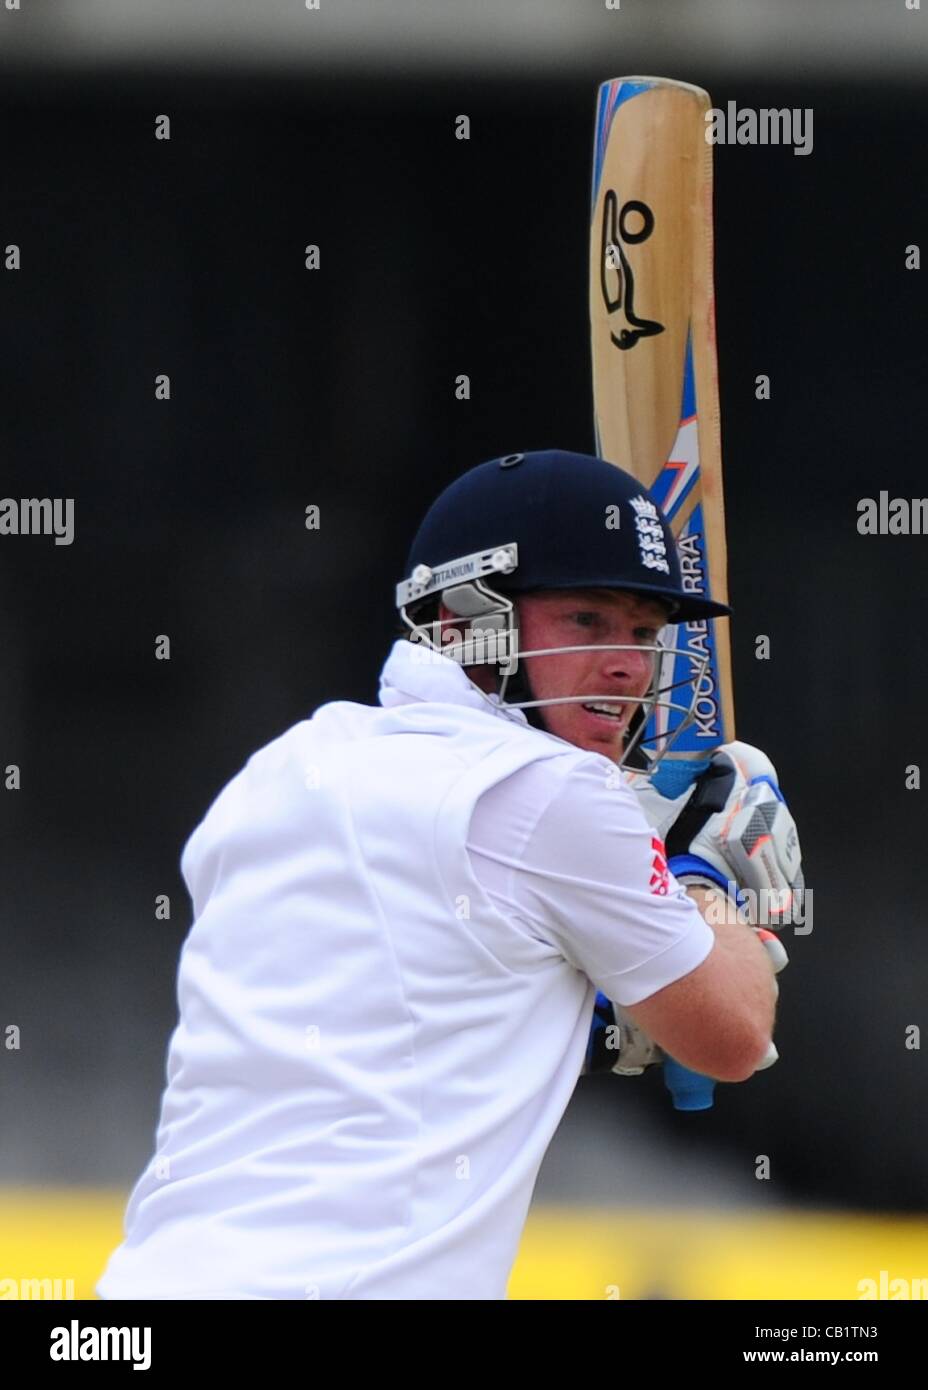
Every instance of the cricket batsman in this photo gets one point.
(404, 915)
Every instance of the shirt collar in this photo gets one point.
(413, 672)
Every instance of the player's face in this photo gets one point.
(601, 618)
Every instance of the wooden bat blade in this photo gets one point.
(655, 379)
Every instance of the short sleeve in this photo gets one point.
(567, 854)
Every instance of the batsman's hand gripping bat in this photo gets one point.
(655, 383)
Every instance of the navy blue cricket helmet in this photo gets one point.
(562, 521)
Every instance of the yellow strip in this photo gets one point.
(566, 1252)
(572, 1253)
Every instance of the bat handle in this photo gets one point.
(690, 1090)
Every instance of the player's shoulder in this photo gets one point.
(569, 819)
(585, 783)
(572, 790)
(319, 729)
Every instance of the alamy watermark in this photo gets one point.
(892, 516)
(765, 907)
(36, 1290)
(470, 646)
(38, 516)
(893, 1289)
(767, 126)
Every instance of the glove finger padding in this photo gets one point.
(758, 840)
(750, 838)
(776, 951)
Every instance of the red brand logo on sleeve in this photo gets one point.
(660, 874)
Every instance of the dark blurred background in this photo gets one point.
(336, 387)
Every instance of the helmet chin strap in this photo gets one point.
(519, 688)
(471, 600)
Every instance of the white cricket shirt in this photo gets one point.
(401, 916)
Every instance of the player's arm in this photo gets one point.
(718, 1019)
(733, 831)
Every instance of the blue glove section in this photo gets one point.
(603, 1018)
(680, 864)
(673, 778)
(690, 1090)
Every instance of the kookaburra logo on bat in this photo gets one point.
(617, 278)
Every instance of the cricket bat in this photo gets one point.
(655, 391)
(655, 376)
